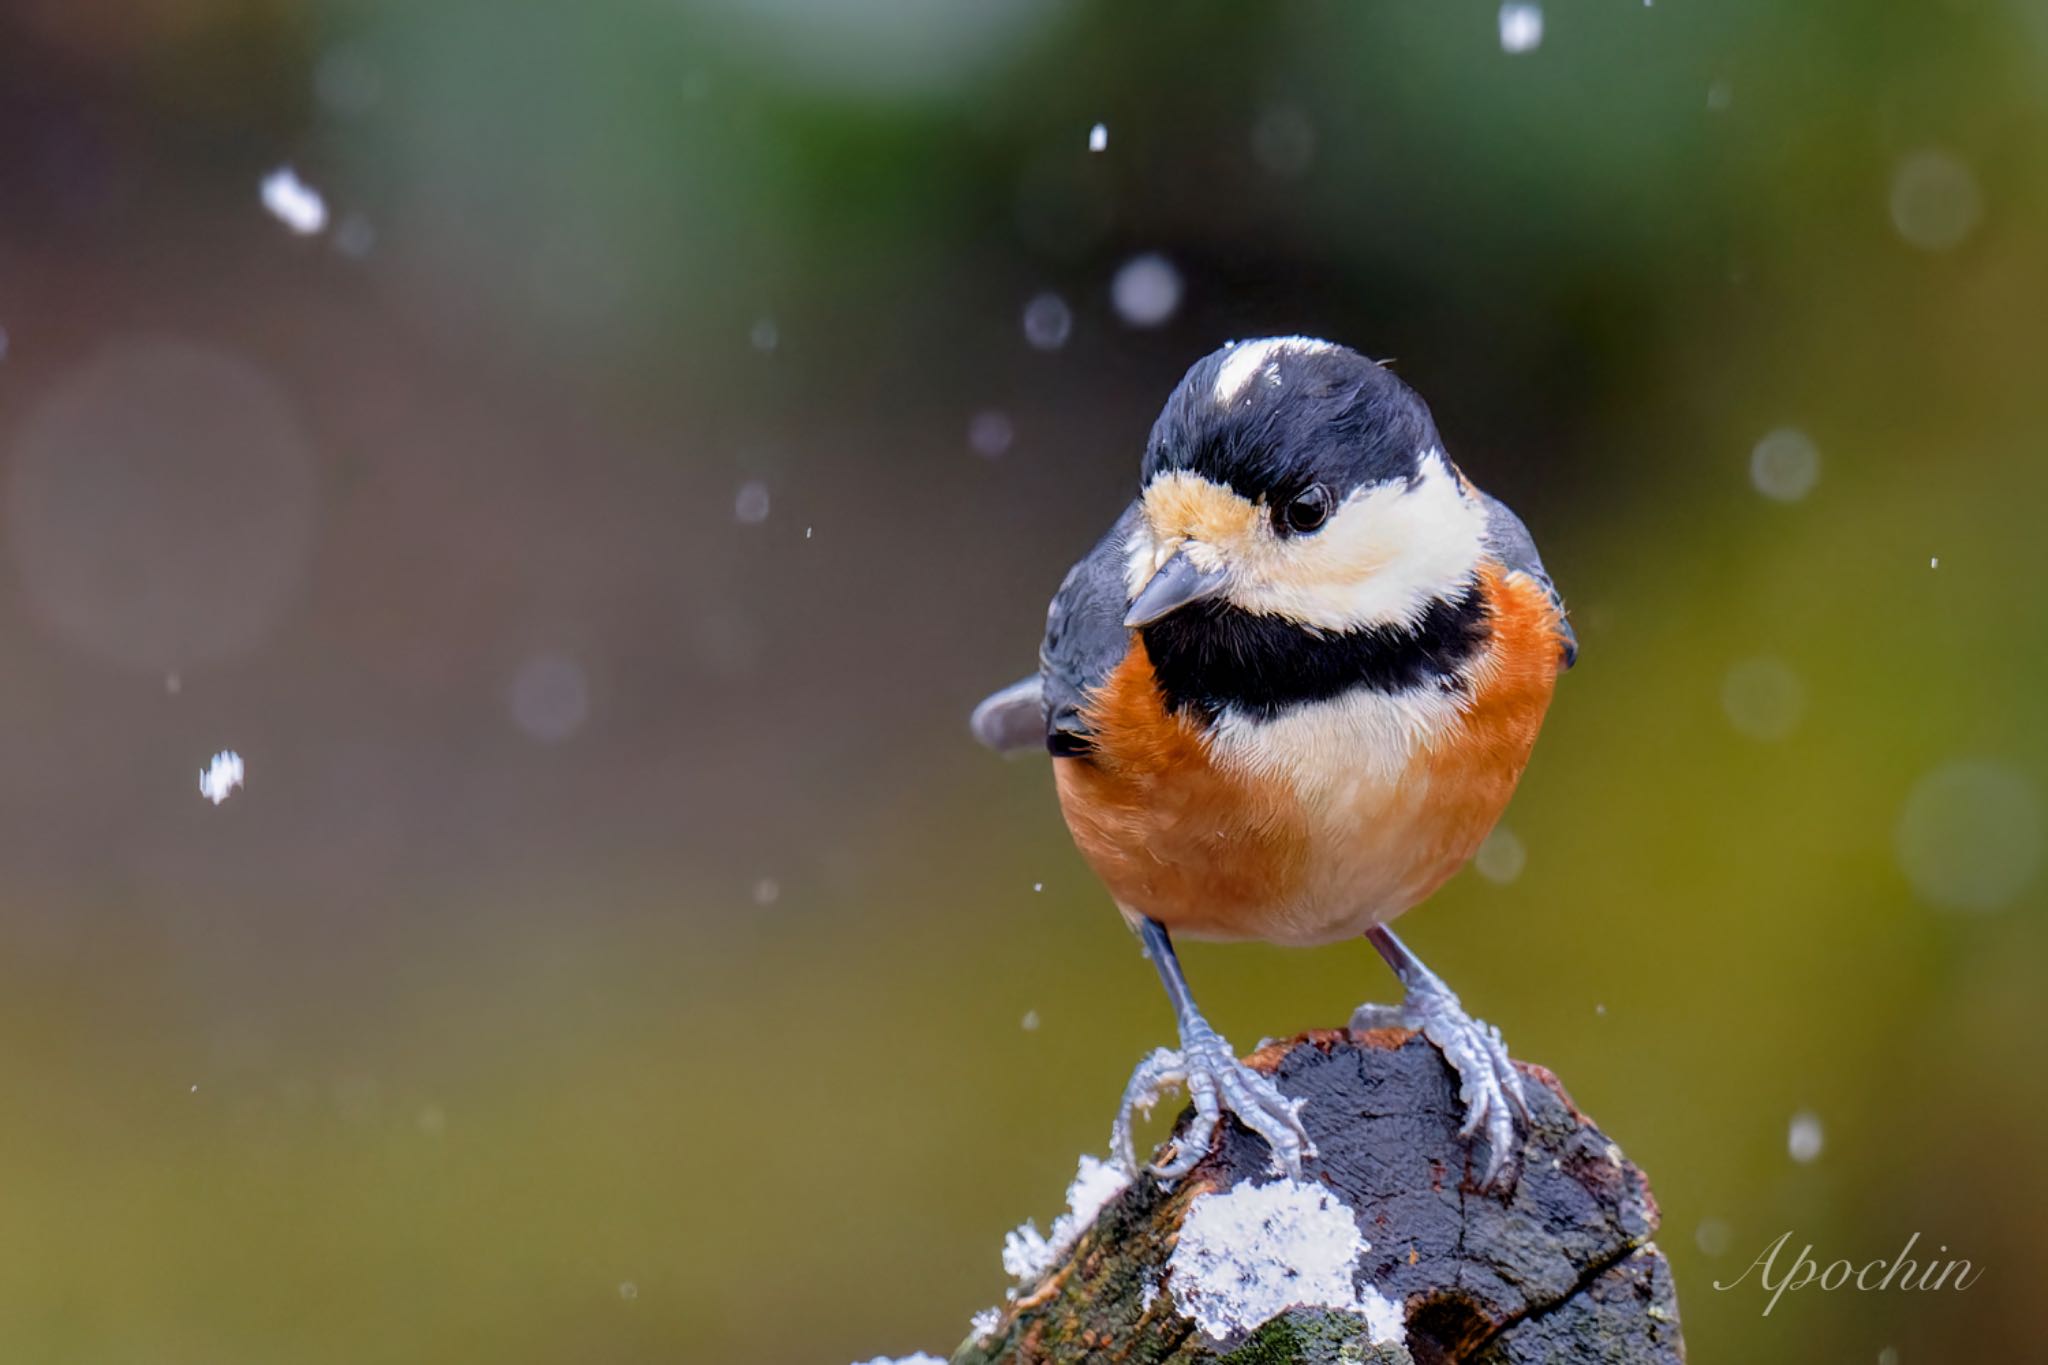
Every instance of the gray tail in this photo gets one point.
(1013, 718)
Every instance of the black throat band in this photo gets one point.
(1212, 656)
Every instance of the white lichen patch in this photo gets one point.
(1028, 1253)
(1248, 1255)
(984, 1323)
(1385, 1317)
(920, 1358)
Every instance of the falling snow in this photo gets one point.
(1029, 1254)
(1804, 1138)
(222, 776)
(1248, 1255)
(293, 202)
(1521, 26)
(1098, 138)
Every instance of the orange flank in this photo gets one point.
(1472, 775)
(1311, 842)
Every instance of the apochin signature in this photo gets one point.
(1870, 1277)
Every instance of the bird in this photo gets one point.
(1286, 697)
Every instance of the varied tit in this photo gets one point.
(1287, 696)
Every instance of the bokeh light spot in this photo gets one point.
(1784, 465)
(1284, 141)
(750, 504)
(1936, 203)
(1502, 857)
(161, 505)
(1047, 322)
(346, 81)
(354, 236)
(1969, 835)
(549, 697)
(1146, 290)
(990, 434)
(1763, 698)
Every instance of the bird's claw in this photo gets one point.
(1216, 1081)
(1489, 1087)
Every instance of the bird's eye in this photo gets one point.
(1306, 512)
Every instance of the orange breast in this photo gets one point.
(1311, 830)
(1203, 851)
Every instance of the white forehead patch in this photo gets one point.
(1248, 358)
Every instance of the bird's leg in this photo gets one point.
(1487, 1080)
(1215, 1079)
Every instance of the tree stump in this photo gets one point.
(1559, 1267)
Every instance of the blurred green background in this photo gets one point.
(594, 524)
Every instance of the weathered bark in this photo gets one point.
(1560, 1268)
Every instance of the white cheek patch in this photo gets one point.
(1385, 555)
(1248, 358)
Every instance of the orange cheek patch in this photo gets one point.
(1180, 504)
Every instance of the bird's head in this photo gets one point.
(1296, 479)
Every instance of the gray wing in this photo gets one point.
(1013, 718)
(1509, 541)
(1085, 636)
(1084, 639)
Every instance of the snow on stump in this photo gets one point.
(1384, 1254)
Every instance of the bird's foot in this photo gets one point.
(1489, 1087)
(1216, 1080)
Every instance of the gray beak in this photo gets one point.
(1177, 584)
